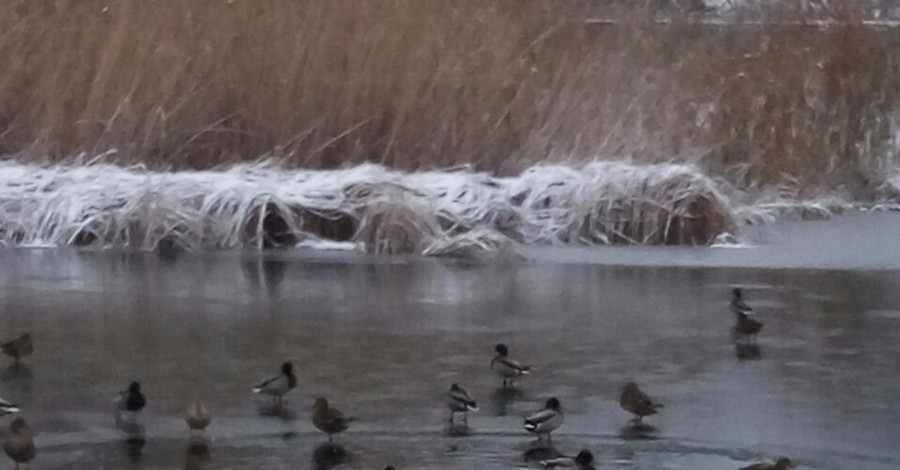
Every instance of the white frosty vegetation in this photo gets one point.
(369, 207)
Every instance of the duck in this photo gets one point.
(19, 444)
(7, 408)
(197, 416)
(782, 463)
(583, 461)
(459, 401)
(132, 400)
(505, 367)
(329, 420)
(18, 348)
(737, 302)
(546, 420)
(638, 403)
(278, 386)
(747, 327)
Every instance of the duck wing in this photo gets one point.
(274, 386)
(334, 418)
(511, 364)
(561, 462)
(462, 396)
(541, 417)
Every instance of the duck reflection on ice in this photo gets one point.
(16, 372)
(268, 273)
(197, 457)
(134, 448)
(502, 398)
(635, 431)
(747, 351)
(539, 451)
(329, 455)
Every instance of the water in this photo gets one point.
(383, 337)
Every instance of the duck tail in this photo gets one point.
(529, 426)
(472, 406)
(257, 389)
(11, 409)
(525, 370)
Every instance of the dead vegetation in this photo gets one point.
(412, 84)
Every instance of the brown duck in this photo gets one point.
(18, 348)
(638, 403)
(197, 416)
(19, 444)
(783, 463)
(329, 420)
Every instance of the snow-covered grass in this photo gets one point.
(379, 210)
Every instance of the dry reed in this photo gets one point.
(421, 84)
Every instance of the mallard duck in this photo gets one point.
(18, 348)
(583, 461)
(546, 420)
(19, 444)
(278, 386)
(737, 302)
(329, 420)
(747, 327)
(7, 408)
(459, 401)
(197, 416)
(783, 463)
(636, 402)
(505, 367)
(132, 400)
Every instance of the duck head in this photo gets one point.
(134, 387)
(18, 425)
(631, 387)
(501, 349)
(552, 404)
(584, 458)
(321, 404)
(736, 293)
(287, 368)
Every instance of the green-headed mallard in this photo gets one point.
(459, 401)
(546, 420)
(278, 386)
(507, 368)
(132, 400)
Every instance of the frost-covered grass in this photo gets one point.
(376, 209)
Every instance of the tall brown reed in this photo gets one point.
(415, 84)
